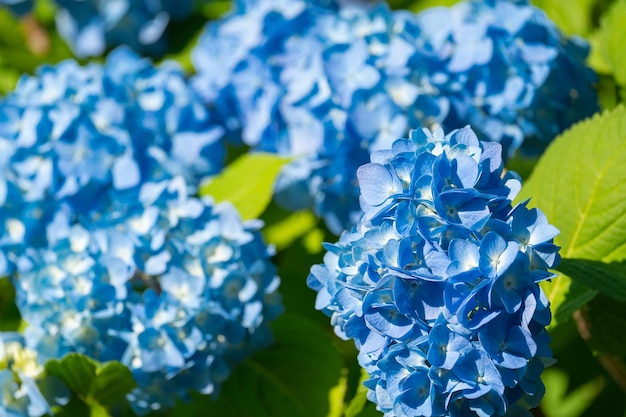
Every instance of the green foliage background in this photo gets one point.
(580, 183)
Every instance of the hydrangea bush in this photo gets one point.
(437, 284)
(331, 85)
(148, 210)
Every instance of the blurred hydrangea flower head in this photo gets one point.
(110, 253)
(323, 82)
(438, 283)
(72, 137)
(508, 71)
(178, 289)
(332, 83)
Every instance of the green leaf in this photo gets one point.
(97, 384)
(247, 183)
(613, 39)
(572, 17)
(336, 396)
(291, 378)
(597, 55)
(216, 8)
(112, 383)
(77, 371)
(283, 232)
(359, 401)
(9, 314)
(557, 402)
(419, 5)
(607, 326)
(294, 264)
(565, 303)
(608, 278)
(580, 183)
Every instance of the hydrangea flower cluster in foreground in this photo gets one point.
(437, 284)
(330, 84)
(93, 26)
(110, 253)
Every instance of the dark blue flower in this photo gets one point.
(437, 283)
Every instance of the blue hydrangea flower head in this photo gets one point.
(111, 254)
(508, 71)
(178, 289)
(438, 282)
(329, 83)
(321, 81)
(72, 136)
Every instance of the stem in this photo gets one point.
(613, 365)
(36, 35)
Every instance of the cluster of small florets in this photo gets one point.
(331, 84)
(111, 254)
(73, 138)
(20, 373)
(507, 71)
(91, 27)
(177, 289)
(324, 83)
(437, 284)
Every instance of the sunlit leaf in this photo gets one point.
(613, 38)
(580, 184)
(608, 278)
(248, 183)
(557, 402)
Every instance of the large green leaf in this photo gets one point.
(292, 378)
(613, 38)
(248, 183)
(608, 278)
(565, 303)
(572, 16)
(580, 184)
